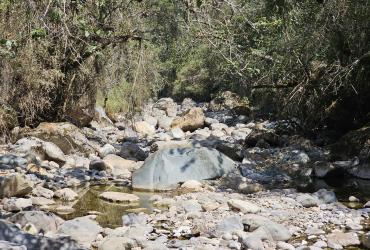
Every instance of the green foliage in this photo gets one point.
(303, 59)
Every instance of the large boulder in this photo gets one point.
(168, 105)
(14, 185)
(43, 221)
(42, 149)
(190, 121)
(66, 136)
(83, 230)
(130, 150)
(144, 128)
(166, 168)
(11, 233)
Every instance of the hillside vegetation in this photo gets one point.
(308, 59)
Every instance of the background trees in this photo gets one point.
(304, 59)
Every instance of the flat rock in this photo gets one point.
(119, 197)
(43, 192)
(16, 204)
(228, 225)
(343, 239)
(244, 206)
(42, 201)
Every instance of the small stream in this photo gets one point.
(109, 214)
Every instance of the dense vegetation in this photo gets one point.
(304, 59)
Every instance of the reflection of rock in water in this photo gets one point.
(109, 214)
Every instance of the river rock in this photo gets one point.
(166, 168)
(99, 165)
(83, 229)
(307, 200)
(11, 233)
(16, 204)
(42, 201)
(132, 219)
(165, 122)
(343, 239)
(144, 128)
(53, 152)
(325, 196)
(117, 243)
(66, 194)
(191, 206)
(130, 150)
(66, 136)
(277, 231)
(14, 185)
(187, 104)
(119, 197)
(43, 192)
(106, 150)
(47, 222)
(192, 185)
(117, 162)
(244, 206)
(10, 161)
(168, 105)
(190, 121)
(228, 225)
(44, 150)
(177, 133)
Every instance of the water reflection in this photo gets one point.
(108, 214)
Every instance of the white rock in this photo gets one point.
(66, 194)
(192, 185)
(106, 150)
(177, 133)
(119, 197)
(244, 206)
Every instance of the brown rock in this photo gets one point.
(14, 185)
(190, 121)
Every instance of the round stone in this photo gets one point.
(119, 197)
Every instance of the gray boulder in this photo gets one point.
(83, 229)
(228, 225)
(43, 221)
(11, 233)
(6, 245)
(9, 161)
(277, 231)
(14, 185)
(131, 150)
(166, 168)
